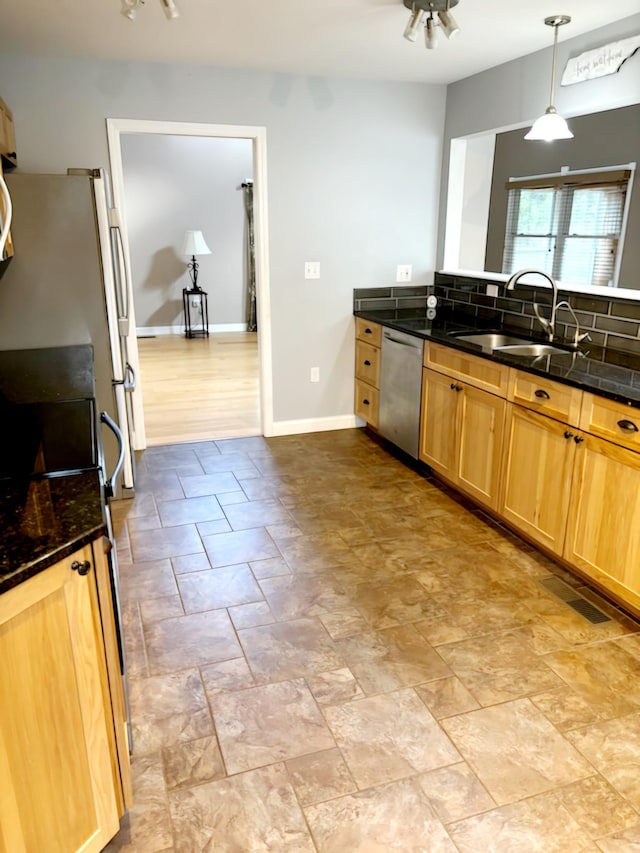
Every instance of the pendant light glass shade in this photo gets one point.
(551, 125)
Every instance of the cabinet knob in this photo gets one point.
(82, 568)
(578, 439)
(367, 362)
(568, 434)
(365, 402)
(628, 426)
(368, 331)
(541, 394)
(455, 387)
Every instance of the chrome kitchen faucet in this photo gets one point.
(549, 325)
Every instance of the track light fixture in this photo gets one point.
(551, 126)
(434, 14)
(130, 8)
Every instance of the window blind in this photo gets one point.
(568, 225)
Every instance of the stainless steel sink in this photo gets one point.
(491, 340)
(531, 350)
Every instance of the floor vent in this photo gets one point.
(571, 597)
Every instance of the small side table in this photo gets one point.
(196, 313)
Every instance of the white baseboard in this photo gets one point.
(156, 331)
(314, 425)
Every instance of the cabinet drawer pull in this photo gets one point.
(82, 568)
(365, 403)
(367, 362)
(568, 434)
(628, 426)
(578, 439)
(542, 394)
(368, 331)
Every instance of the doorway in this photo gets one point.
(206, 362)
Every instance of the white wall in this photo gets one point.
(178, 183)
(514, 94)
(353, 182)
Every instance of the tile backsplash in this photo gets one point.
(611, 323)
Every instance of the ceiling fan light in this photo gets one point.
(549, 127)
(411, 30)
(448, 24)
(430, 33)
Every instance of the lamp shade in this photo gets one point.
(194, 244)
(549, 127)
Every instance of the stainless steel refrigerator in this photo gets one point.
(66, 284)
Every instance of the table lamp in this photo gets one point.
(194, 244)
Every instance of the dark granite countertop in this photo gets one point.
(44, 521)
(602, 371)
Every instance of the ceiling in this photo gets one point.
(338, 38)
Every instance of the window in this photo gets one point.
(570, 225)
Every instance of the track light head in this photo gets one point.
(434, 13)
(448, 24)
(413, 25)
(430, 33)
(170, 9)
(130, 8)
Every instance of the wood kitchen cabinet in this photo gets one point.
(461, 435)
(462, 423)
(603, 533)
(56, 727)
(538, 464)
(7, 135)
(367, 384)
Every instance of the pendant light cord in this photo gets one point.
(553, 64)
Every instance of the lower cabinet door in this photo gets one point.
(57, 783)
(603, 537)
(367, 403)
(481, 434)
(439, 423)
(537, 471)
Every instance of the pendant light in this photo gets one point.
(551, 125)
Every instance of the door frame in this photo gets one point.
(258, 136)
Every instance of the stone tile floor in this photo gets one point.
(330, 652)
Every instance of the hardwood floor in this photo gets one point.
(199, 389)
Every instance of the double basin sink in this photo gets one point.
(510, 345)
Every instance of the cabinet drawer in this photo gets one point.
(368, 363)
(479, 372)
(369, 332)
(367, 403)
(611, 420)
(558, 401)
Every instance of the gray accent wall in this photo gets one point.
(515, 93)
(353, 180)
(174, 184)
(608, 138)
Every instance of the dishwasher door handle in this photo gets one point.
(402, 343)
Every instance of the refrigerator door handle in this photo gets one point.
(113, 426)
(130, 378)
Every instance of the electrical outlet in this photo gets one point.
(312, 269)
(314, 374)
(403, 272)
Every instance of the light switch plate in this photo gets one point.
(312, 269)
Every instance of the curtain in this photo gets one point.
(251, 316)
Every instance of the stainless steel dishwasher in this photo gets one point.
(400, 389)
